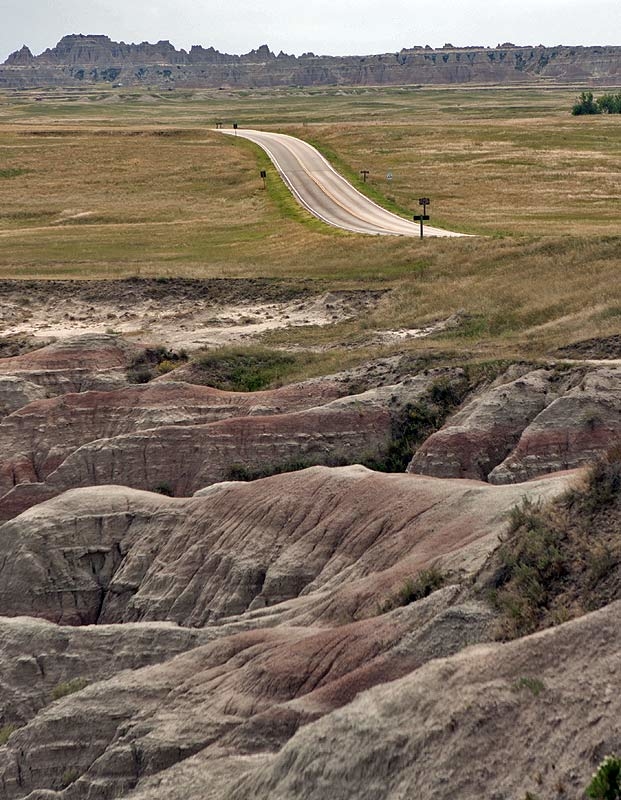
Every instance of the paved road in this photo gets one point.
(326, 194)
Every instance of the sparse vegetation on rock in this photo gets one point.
(69, 687)
(154, 361)
(239, 369)
(563, 559)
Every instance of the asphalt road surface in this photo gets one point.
(321, 190)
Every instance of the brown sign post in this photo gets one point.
(424, 202)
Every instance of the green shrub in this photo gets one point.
(70, 687)
(249, 369)
(610, 103)
(606, 782)
(68, 777)
(606, 104)
(164, 488)
(242, 472)
(12, 172)
(154, 361)
(560, 560)
(533, 685)
(5, 732)
(426, 582)
(416, 421)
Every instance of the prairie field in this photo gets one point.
(115, 183)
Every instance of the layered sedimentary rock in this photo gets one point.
(355, 710)
(241, 695)
(78, 60)
(570, 431)
(97, 362)
(39, 660)
(337, 542)
(540, 422)
(38, 438)
(247, 440)
(532, 717)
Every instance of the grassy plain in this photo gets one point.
(113, 183)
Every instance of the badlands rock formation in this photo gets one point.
(337, 541)
(539, 422)
(179, 438)
(78, 60)
(96, 362)
(312, 634)
(492, 721)
(292, 571)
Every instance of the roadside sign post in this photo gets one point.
(235, 128)
(364, 173)
(424, 202)
(264, 176)
(218, 126)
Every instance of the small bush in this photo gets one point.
(563, 559)
(606, 781)
(585, 104)
(70, 687)
(533, 685)
(426, 582)
(164, 488)
(154, 361)
(242, 472)
(419, 420)
(12, 172)
(68, 777)
(5, 733)
(606, 104)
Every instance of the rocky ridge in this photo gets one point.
(83, 60)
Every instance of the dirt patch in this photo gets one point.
(177, 313)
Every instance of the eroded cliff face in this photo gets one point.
(79, 59)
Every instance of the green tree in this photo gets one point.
(585, 105)
(609, 103)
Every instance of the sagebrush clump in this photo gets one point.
(560, 560)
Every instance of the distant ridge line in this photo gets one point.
(80, 59)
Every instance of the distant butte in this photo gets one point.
(94, 59)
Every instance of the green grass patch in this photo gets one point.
(12, 172)
(425, 583)
(248, 369)
(5, 733)
(69, 687)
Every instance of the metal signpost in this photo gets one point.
(364, 173)
(264, 176)
(235, 128)
(424, 202)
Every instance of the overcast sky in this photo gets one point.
(339, 27)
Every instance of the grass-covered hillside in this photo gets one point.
(116, 183)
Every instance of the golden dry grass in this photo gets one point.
(100, 185)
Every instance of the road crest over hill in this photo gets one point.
(319, 188)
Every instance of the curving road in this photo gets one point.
(321, 190)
